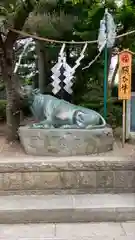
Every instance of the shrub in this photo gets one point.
(3, 103)
(114, 110)
(114, 115)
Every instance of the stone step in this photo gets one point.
(67, 208)
(68, 231)
(70, 175)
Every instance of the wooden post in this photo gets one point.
(123, 123)
(124, 87)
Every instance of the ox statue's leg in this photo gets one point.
(42, 125)
(74, 126)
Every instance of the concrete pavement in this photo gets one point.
(76, 231)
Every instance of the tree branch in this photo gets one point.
(19, 21)
(2, 53)
(2, 47)
(1, 42)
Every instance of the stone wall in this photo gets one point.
(68, 175)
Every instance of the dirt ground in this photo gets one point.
(14, 149)
(9, 149)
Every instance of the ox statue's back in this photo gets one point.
(51, 112)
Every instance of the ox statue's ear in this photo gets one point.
(36, 91)
(22, 88)
(21, 91)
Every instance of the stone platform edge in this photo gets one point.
(67, 208)
(68, 175)
(52, 164)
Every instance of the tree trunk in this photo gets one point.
(13, 98)
(12, 111)
(41, 66)
(7, 67)
(68, 54)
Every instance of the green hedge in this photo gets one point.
(114, 111)
(3, 109)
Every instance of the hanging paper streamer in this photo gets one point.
(63, 73)
(80, 58)
(94, 60)
(56, 72)
(29, 41)
(107, 34)
(111, 30)
(102, 35)
(69, 72)
(107, 31)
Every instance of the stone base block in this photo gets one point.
(65, 142)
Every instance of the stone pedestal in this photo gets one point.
(65, 142)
